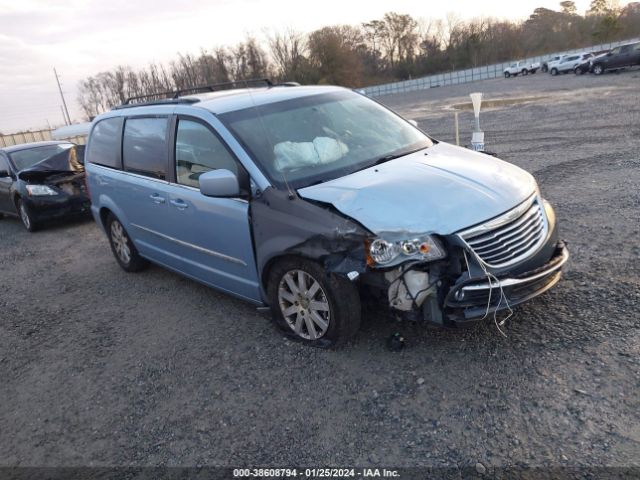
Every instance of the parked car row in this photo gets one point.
(583, 62)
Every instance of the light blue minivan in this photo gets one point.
(312, 200)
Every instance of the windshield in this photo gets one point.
(27, 158)
(313, 139)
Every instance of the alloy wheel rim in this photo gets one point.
(24, 216)
(304, 304)
(119, 240)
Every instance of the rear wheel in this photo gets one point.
(525, 72)
(597, 69)
(26, 216)
(318, 308)
(122, 247)
(554, 71)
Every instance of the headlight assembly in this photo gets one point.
(40, 190)
(384, 252)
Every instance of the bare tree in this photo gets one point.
(396, 46)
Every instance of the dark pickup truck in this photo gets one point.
(619, 57)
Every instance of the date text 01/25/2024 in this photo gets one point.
(315, 473)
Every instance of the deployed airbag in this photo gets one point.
(290, 155)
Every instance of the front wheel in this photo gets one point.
(578, 71)
(122, 247)
(507, 74)
(525, 72)
(597, 69)
(26, 216)
(319, 308)
(554, 71)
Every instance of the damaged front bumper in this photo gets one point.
(427, 293)
(475, 298)
(62, 206)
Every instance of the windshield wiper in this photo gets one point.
(393, 156)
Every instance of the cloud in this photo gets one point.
(83, 37)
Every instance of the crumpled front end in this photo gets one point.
(489, 267)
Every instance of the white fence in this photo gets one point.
(473, 74)
(35, 136)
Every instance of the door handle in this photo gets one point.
(179, 204)
(157, 198)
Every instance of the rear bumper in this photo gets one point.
(475, 298)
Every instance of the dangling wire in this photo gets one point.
(490, 278)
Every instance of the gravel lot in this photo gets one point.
(99, 367)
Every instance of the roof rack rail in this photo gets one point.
(173, 96)
(162, 101)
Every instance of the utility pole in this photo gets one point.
(67, 118)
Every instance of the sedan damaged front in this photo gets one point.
(44, 181)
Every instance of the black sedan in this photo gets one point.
(42, 181)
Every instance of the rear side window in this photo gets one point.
(144, 146)
(104, 144)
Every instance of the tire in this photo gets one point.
(554, 71)
(336, 318)
(507, 74)
(544, 68)
(26, 216)
(525, 72)
(122, 247)
(598, 69)
(578, 71)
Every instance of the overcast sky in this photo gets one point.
(83, 37)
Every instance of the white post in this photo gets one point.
(457, 129)
(477, 137)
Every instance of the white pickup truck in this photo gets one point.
(521, 68)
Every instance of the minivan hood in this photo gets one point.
(442, 189)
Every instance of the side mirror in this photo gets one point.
(413, 122)
(219, 183)
(4, 173)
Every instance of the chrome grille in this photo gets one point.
(511, 237)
